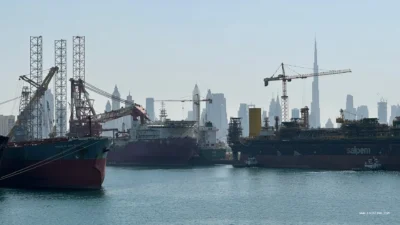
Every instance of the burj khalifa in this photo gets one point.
(315, 121)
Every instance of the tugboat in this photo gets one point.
(372, 164)
(251, 162)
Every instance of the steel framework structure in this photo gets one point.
(25, 117)
(60, 87)
(78, 69)
(36, 74)
(78, 52)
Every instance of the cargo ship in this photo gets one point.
(77, 161)
(161, 143)
(3, 144)
(357, 145)
(73, 163)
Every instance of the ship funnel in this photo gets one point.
(254, 122)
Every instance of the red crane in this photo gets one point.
(285, 78)
(85, 121)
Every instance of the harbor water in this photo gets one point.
(213, 195)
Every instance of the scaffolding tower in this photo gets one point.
(78, 57)
(36, 74)
(60, 87)
(80, 105)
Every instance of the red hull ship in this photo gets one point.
(78, 161)
(40, 164)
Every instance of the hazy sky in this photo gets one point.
(162, 48)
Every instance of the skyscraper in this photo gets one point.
(6, 123)
(190, 116)
(350, 112)
(382, 111)
(329, 124)
(108, 106)
(127, 120)
(150, 108)
(315, 110)
(129, 100)
(203, 117)
(114, 102)
(263, 116)
(295, 113)
(244, 114)
(216, 114)
(362, 112)
(275, 109)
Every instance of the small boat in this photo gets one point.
(250, 162)
(370, 164)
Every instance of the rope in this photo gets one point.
(26, 169)
(34, 166)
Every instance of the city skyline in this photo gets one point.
(208, 49)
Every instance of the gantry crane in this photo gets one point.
(285, 78)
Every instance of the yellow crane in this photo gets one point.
(285, 78)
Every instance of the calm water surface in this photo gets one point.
(213, 195)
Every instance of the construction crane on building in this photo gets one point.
(285, 78)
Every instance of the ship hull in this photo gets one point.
(166, 152)
(81, 167)
(209, 156)
(326, 155)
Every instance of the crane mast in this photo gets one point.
(285, 78)
(39, 93)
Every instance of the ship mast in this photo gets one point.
(163, 112)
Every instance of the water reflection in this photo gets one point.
(53, 193)
(2, 196)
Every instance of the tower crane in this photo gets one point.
(285, 78)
